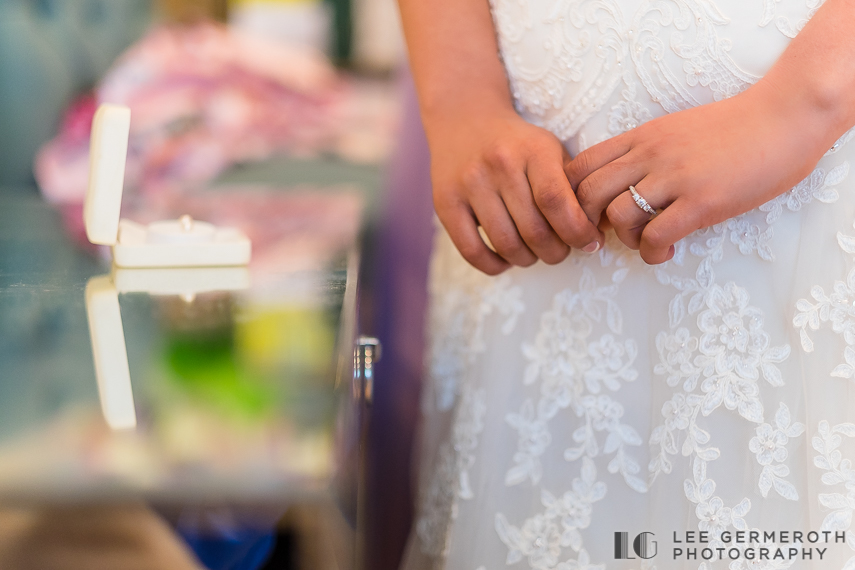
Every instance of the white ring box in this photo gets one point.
(172, 243)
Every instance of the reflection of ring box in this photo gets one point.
(108, 335)
(184, 281)
(172, 243)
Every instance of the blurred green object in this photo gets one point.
(207, 368)
(51, 51)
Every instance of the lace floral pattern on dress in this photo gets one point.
(543, 537)
(838, 472)
(835, 307)
(574, 76)
(573, 371)
(770, 448)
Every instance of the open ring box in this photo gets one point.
(175, 257)
(172, 243)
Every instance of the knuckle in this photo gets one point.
(501, 158)
(512, 249)
(543, 143)
(579, 166)
(539, 235)
(588, 190)
(474, 255)
(650, 152)
(472, 175)
(507, 245)
(549, 198)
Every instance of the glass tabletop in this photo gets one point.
(205, 385)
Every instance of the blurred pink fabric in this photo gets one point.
(206, 97)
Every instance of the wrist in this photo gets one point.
(462, 108)
(470, 114)
(814, 79)
(817, 112)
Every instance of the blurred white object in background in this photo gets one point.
(302, 22)
(378, 42)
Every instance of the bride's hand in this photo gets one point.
(700, 166)
(507, 176)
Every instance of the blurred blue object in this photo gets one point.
(243, 549)
(225, 538)
(50, 51)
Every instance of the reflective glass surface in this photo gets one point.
(234, 384)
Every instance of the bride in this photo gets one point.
(644, 353)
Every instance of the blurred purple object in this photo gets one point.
(404, 245)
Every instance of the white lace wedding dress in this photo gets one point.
(714, 393)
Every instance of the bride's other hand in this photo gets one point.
(704, 165)
(506, 175)
(490, 168)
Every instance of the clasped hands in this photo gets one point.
(698, 167)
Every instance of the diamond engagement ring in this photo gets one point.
(641, 202)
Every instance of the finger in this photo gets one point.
(530, 222)
(674, 223)
(555, 198)
(493, 216)
(602, 186)
(462, 228)
(595, 157)
(627, 218)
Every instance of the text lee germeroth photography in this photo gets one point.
(782, 545)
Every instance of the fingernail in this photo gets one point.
(591, 247)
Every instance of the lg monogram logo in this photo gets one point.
(643, 545)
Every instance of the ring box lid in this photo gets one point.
(108, 149)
